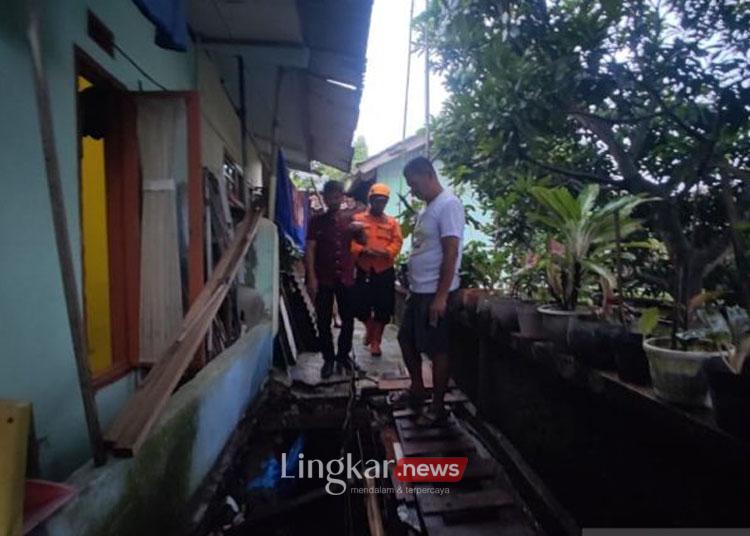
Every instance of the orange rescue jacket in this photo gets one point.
(383, 233)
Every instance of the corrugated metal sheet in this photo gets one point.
(311, 43)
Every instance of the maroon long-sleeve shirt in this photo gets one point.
(334, 262)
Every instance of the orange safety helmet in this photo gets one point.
(379, 189)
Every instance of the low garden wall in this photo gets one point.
(612, 452)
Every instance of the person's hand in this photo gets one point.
(312, 286)
(379, 253)
(437, 309)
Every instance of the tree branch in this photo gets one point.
(734, 171)
(691, 170)
(713, 255)
(582, 175)
(692, 131)
(630, 174)
(618, 120)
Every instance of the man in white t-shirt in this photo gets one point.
(434, 261)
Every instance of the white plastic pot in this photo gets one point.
(556, 323)
(678, 375)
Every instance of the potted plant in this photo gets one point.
(582, 238)
(729, 378)
(699, 334)
(627, 347)
(529, 290)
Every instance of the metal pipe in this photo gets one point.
(426, 86)
(273, 179)
(243, 128)
(408, 71)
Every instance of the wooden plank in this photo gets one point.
(15, 422)
(480, 469)
(400, 489)
(445, 432)
(396, 384)
(482, 528)
(62, 238)
(133, 424)
(374, 516)
(434, 447)
(399, 384)
(456, 501)
(408, 412)
(407, 421)
(546, 507)
(195, 196)
(287, 325)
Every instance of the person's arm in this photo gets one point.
(451, 223)
(357, 248)
(394, 248)
(311, 279)
(439, 304)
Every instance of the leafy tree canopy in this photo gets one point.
(646, 96)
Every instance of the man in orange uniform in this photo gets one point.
(374, 259)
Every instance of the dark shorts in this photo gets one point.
(416, 329)
(375, 295)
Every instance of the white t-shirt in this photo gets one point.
(443, 216)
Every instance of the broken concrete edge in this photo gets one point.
(149, 494)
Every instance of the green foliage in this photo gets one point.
(582, 238)
(408, 217)
(637, 96)
(482, 266)
(649, 320)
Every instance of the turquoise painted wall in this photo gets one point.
(36, 359)
(150, 493)
(391, 174)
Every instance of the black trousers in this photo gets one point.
(375, 295)
(324, 312)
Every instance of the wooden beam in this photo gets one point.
(132, 426)
(274, 144)
(195, 197)
(62, 239)
(294, 56)
(305, 119)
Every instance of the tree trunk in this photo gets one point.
(741, 262)
(691, 264)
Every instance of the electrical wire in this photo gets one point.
(139, 68)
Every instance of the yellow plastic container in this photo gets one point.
(15, 419)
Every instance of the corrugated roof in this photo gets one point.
(406, 145)
(314, 49)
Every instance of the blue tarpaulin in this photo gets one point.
(291, 206)
(170, 19)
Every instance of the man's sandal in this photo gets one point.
(408, 399)
(430, 417)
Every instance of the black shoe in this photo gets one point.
(327, 370)
(344, 366)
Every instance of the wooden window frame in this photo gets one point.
(123, 178)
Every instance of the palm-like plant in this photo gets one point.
(582, 237)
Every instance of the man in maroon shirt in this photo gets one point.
(330, 275)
